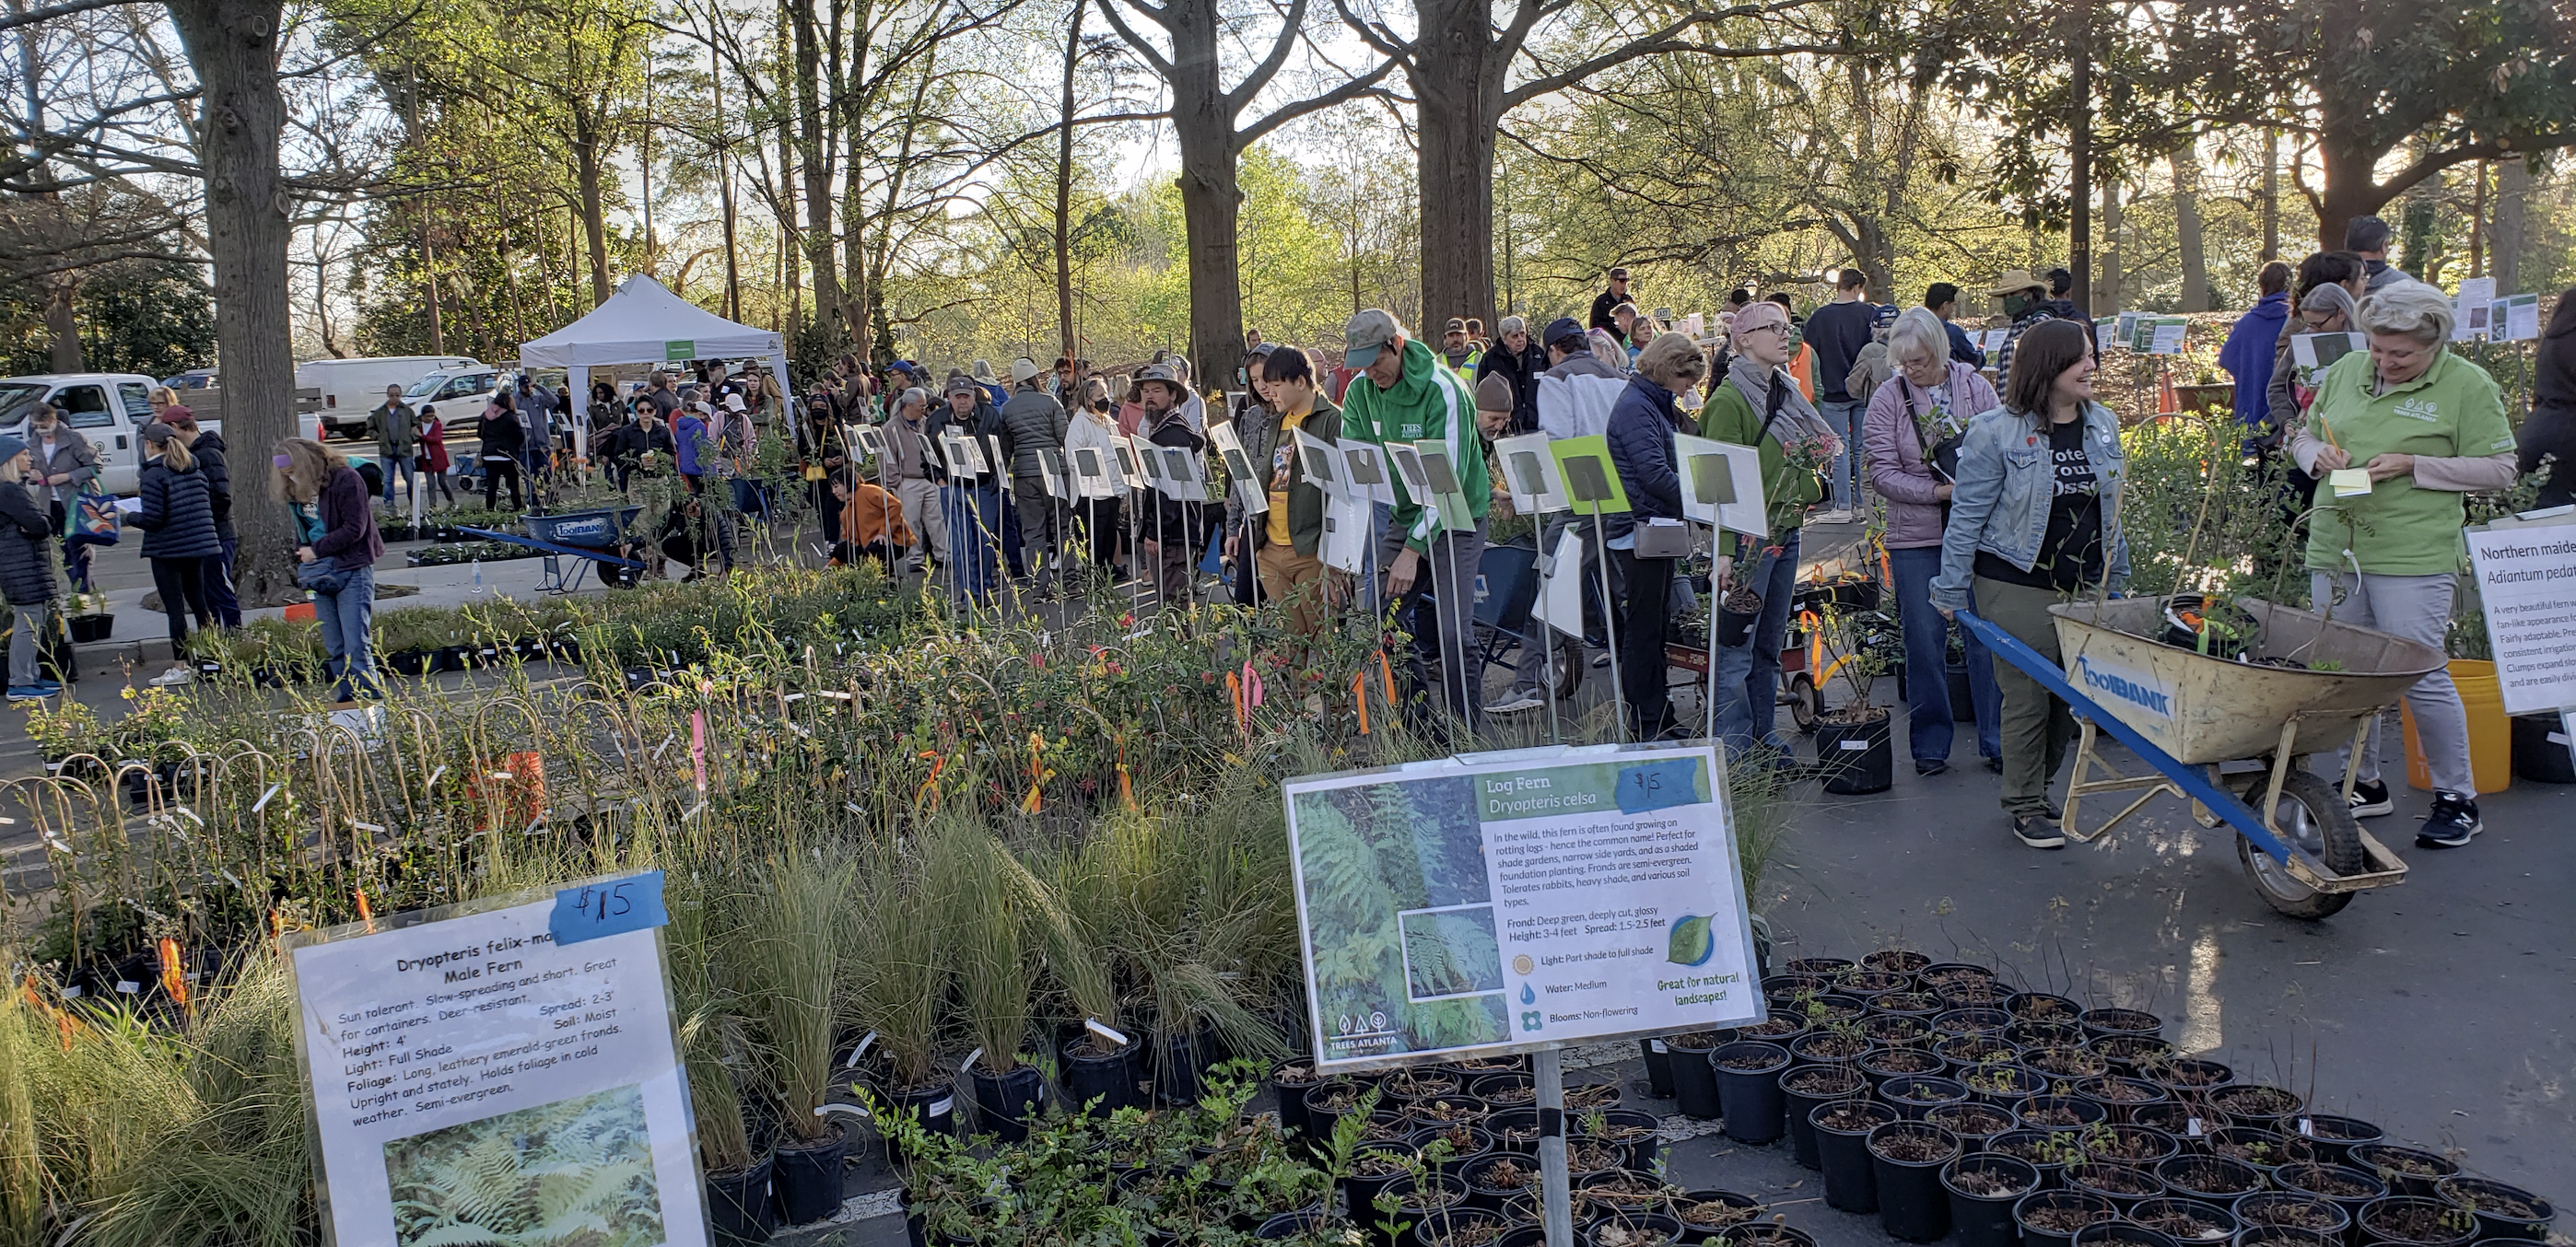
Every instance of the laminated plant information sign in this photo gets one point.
(506, 1071)
(1522, 900)
(2527, 584)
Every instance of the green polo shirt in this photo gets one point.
(2453, 411)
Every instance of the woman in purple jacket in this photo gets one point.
(337, 530)
(1930, 400)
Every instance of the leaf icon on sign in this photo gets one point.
(1692, 942)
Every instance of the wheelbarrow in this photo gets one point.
(582, 536)
(2232, 736)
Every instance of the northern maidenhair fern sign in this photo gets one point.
(1500, 902)
(477, 1078)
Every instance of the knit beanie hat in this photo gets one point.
(1494, 393)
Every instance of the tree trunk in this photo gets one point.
(1064, 191)
(594, 216)
(1457, 78)
(724, 186)
(1211, 197)
(2351, 188)
(2271, 195)
(62, 324)
(2079, 234)
(814, 160)
(2513, 193)
(2110, 289)
(2195, 256)
(232, 46)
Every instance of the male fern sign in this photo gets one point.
(1519, 901)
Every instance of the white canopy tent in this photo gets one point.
(644, 323)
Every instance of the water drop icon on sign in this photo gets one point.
(1528, 997)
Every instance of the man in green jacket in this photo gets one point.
(397, 430)
(1404, 395)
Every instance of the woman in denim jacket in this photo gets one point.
(2034, 521)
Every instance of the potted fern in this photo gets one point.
(980, 879)
(789, 943)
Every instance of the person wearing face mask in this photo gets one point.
(1910, 437)
(2034, 519)
(2429, 427)
(64, 461)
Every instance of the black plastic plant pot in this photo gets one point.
(2121, 1234)
(2033, 1036)
(2117, 1095)
(2052, 1218)
(1982, 1189)
(1913, 1095)
(2188, 1123)
(2409, 1221)
(1523, 1236)
(1710, 1215)
(1972, 1122)
(1842, 1151)
(1637, 1136)
(1971, 1020)
(2406, 1170)
(1485, 1189)
(2256, 1104)
(2000, 1085)
(1366, 1181)
(739, 1206)
(1895, 961)
(1881, 1064)
(1321, 1113)
(1453, 1226)
(2044, 1007)
(1734, 627)
(1506, 1091)
(1827, 1048)
(1291, 1224)
(1694, 1079)
(2143, 1147)
(2540, 750)
(934, 1106)
(1289, 1082)
(2503, 1211)
(2100, 1022)
(2057, 1112)
(2260, 1146)
(2124, 1185)
(1659, 1067)
(1181, 1062)
(2188, 1076)
(1423, 1082)
(1622, 1228)
(2281, 1236)
(411, 662)
(2217, 1179)
(2334, 1136)
(2186, 1220)
(1857, 759)
(2296, 1209)
(1005, 1104)
(1413, 1209)
(1466, 1142)
(1803, 1089)
(1748, 1090)
(1768, 1235)
(2348, 1187)
(1514, 1130)
(805, 1178)
(1905, 1168)
(2131, 1055)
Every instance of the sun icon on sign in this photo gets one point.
(1522, 965)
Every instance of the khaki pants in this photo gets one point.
(2037, 726)
(1299, 583)
(920, 499)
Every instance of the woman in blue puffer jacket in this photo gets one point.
(179, 540)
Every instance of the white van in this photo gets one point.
(354, 388)
(109, 408)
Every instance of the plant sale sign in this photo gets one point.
(1522, 900)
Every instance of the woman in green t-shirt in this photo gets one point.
(2427, 427)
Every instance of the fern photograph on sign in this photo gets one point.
(574, 1173)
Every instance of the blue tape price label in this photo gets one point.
(595, 910)
(1657, 785)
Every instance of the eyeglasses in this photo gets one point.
(1782, 330)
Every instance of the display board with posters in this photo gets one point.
(2526, 570)
(480, 1068)
(1519, 901)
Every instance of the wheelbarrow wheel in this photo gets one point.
(1804, 704)
(1568, 675)
(2312, 813)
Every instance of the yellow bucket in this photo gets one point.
(2490, 730)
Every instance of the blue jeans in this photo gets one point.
(1748, 675)
(345, 618)
(967, 512)
(398, 466)
(1844, 418)
(1930, 718)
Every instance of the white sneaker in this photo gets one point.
(174, 677)
(1513, 703)
(1830, 517)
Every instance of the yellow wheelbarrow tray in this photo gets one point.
(2230, 735)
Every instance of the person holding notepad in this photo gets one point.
(1642, 424)
(2397, 436)
(1286, 540)
(1404, 395)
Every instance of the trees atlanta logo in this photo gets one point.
(2152, 700)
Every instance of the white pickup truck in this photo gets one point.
(109, 408)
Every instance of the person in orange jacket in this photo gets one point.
(871, 522)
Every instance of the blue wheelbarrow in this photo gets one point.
(583, 536)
